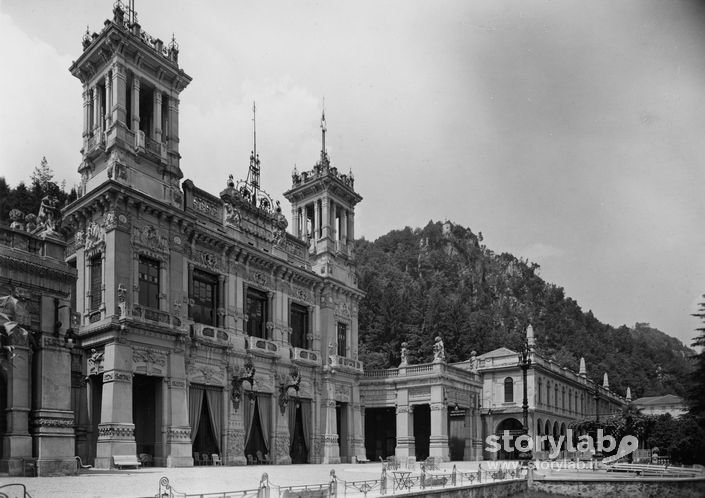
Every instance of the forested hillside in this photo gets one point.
(442, 280)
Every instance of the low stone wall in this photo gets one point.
(484, 490)
(634, 487)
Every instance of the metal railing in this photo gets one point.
(390, 482)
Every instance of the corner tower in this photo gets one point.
(323, 216)
(131, 86)
(323, 213)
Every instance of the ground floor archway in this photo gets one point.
(512, 428)
(380, 432)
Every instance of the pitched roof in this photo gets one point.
(497, 352)
(666, 399)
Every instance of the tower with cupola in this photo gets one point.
(323, 203)
(131, 86)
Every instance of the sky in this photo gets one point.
(569, 133)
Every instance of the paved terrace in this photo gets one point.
(145, 482)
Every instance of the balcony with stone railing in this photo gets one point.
(422, 370)
(305, 356)
(209, 333)
(262, 347)
(155, 317)
(344, 363)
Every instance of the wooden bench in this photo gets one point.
(121, 461)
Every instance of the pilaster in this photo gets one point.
(116, 432)
(16, 442)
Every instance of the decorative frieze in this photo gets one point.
(53, 422)
(116, 431)
(149, 362)
(150, 238)
(179, 434)
(117, 376)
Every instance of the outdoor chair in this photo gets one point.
(215, 458)
(196, 458)
(204, 459)
(266, 459)
(250, 460)
(260, 458)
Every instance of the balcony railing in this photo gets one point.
(305, 356)
(210, 333)
(346, 363)
(263, 346)
(155, 316)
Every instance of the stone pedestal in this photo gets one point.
(116, 432)
(331, 446)
(178, 441)
(438, 442)
(53, 420)
(16, 442)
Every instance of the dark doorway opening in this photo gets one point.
(515, 429)
(205, 442)
(299, 451)
(146, 415)
(341, 420)
(456, 433)
(422, 430)
(256, 448)
(380, 433)
(96, 402)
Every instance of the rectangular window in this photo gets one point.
(96, 281)
(342, 338)
(298, 320)
(149, 282)
(204, 295)
(256, 313)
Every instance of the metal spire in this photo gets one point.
(323, 131)
(253, 176)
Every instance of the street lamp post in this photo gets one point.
(596, 397)
(525, 363)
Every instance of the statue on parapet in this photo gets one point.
(404, 355)
(439, 351)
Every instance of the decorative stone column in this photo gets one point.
(157, 117)
(119, 89)
(116, 432)
(16, 442)
(406, 444)
(178, 442)
(282, 440)
(331, 447)
(438, 443)
(53, 419)
(135, 103)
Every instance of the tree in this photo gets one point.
(696, 391)
(42, 174)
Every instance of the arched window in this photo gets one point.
(508, 390)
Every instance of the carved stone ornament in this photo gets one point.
(95, 234)
(209, 260)
(232, 216)
(95, 362)
(150, 238)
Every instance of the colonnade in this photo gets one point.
(106, 102)
(324, 218)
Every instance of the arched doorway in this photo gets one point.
(513, 428)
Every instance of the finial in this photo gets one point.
(629, 394)
(605, 381)
(583, 370)
(86, 40)
(530, 340)
(324, 128)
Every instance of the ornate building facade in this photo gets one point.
(166, 322)
(205, 326)
(37, 349)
